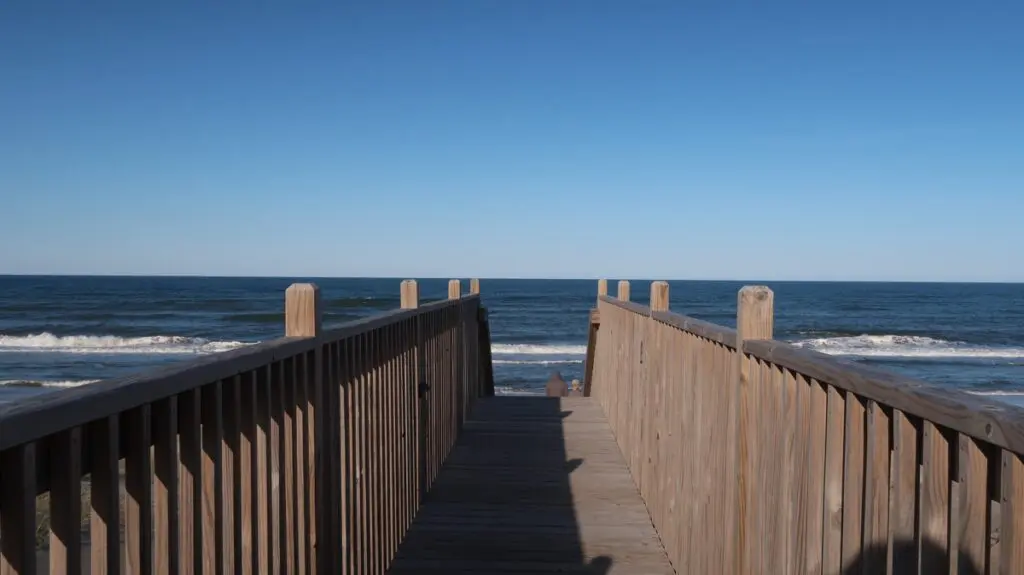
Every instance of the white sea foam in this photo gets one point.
(1005, 396)
(66, 383)
(536, 361)
(509, 390)
(111, 344)
(533, 349)
(906, 346)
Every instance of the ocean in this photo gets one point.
(61, 332)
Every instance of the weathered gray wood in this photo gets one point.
(716, 333)
(994, 422)
(302, 317)
(533, 485)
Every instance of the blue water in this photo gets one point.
(58, 332)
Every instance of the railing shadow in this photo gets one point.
(908, 558)
(504, 501)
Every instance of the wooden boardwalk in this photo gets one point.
(534, 485)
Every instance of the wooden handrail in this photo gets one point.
(310, 453)
(781, 459)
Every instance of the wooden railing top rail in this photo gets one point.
(36, 418)
(717, 333)
(990, 420)
(996, 422)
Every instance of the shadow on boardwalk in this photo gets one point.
(534, 485)
(933, 559)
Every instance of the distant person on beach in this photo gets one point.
(575, 389)
(556, 386)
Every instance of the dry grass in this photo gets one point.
(43, 516)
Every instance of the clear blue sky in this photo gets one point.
(526, 138)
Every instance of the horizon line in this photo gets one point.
(505, 278)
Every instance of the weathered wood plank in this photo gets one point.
(934, 502)
(139, 492)
(557, 498)
(66, 503)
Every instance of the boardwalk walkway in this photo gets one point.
(534, 485)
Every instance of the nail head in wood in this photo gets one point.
(302, 310)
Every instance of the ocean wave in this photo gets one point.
(910, 346)
(536, 361)
(534, 349)
(510, 390)
(112, 344)
(34, 383)
(997, 393)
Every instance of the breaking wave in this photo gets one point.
(533, 349)
(112, 344)
(911, 346)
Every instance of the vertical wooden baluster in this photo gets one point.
(397, 489)
(190, 482)
(261, 469)
(314, 434)
(139, 492)
(337, 451)
(934, 505)
(352, 503)
(1011, 487)
(286, 389)
(212, 486)
(248, 483)
(903, 498)
(65, 503)
(853, 480)
(345, 454)
(876, 491)
(816, 476)
(301, 464)
(165, 452)
(832, 521)
(105, 518)
(361, 520)
(972, 484)
(275, 469)
(332, 391)
(231, 475)
(18, 507)
(373, 451)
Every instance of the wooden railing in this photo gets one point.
(783, 460)
(306, 454)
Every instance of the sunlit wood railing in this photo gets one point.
(783, 460)
(306, 454)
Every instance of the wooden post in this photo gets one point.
(623, 290)
(474, 286)
(303, 318)
(302, 310)
(659, 296)
(754, 320)
(410, 294)
(454, 289)
(595, 323)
